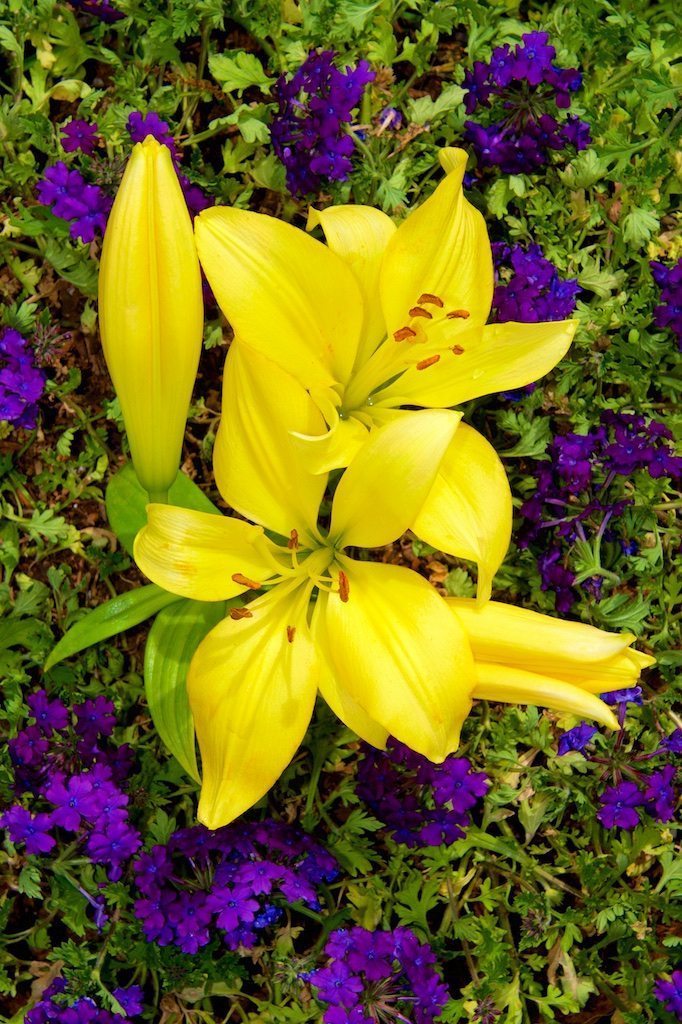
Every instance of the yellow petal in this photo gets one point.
(151, 312)
(255, 460)
(393, 649)
(573, 651)
(285, 294)
(499, 357)
(468, 512)
(442, 249)
(359, 235)
(333, 450)
(619, 673)
(196, 554)
(382, 490)
(516, 686)
(339, 700)
(251, 685)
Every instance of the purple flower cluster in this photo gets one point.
(528, 287)
(70, 197)
(525, 86)
(53, 1007)
(381, 975)
(309, 129)
(233, 881)
(67, 762)
(583, 466)
(140, 126)
(422, 804)
(670, 993)
(669, 313)
(102, 9)
(653, 793)
(622, 803)
(79, 136)
(21, 382)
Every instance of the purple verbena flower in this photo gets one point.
(527, 89)
(50, 715)
(618, 806)
(383, 974)
(79, 135)
(31, 829)
(632, 694)
(21, 382)
(95, 718)
(102, 9)
(309, 129)
(659, 795)
(576, 738)
(72, 199)
(528, 288)
(232, 879)
(420, 803)
(670, 993)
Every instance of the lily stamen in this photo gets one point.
(344, 586)
(428, 299)
(425, 363)
(244, 581)
(404, 333)
(418, 311)
(240, 613)
(458, 314)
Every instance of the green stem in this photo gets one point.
(158, 497)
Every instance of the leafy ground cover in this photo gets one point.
(534, 876)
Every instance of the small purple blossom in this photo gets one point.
(79, 135)
(72, 199)
(632, 695)
(309, 129)
(50, 715)
(419, 803)
(670, 993)
(577, 738)
(21, 382)
(668, 314)
(31, 829)
(659, 794)
(527, 89)
(618, 806)
(378, 975)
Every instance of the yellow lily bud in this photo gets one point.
(151, 312)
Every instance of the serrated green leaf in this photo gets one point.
(173, 639)
(238, 73)
(126, 501)
(115, 616)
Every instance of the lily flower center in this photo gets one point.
(430, 332)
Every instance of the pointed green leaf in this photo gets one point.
(126, 501)
(173, 639)
(113, 617)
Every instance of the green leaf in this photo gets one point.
(115, 616)
(424, 109)
(173, 639)
(126, 501)
(238, 73)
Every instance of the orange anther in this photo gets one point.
(430, 300)
(344, 586)
(292, 543)
(291, 633)
(457, 349)
(418, 311)
(244, 581)
(458, 314)
(428, 362)
(403, 333)
(240, 613)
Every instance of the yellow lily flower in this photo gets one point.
(526, 657)
(388, 654)
(379, 642)
(382, 318)
(151, 312)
